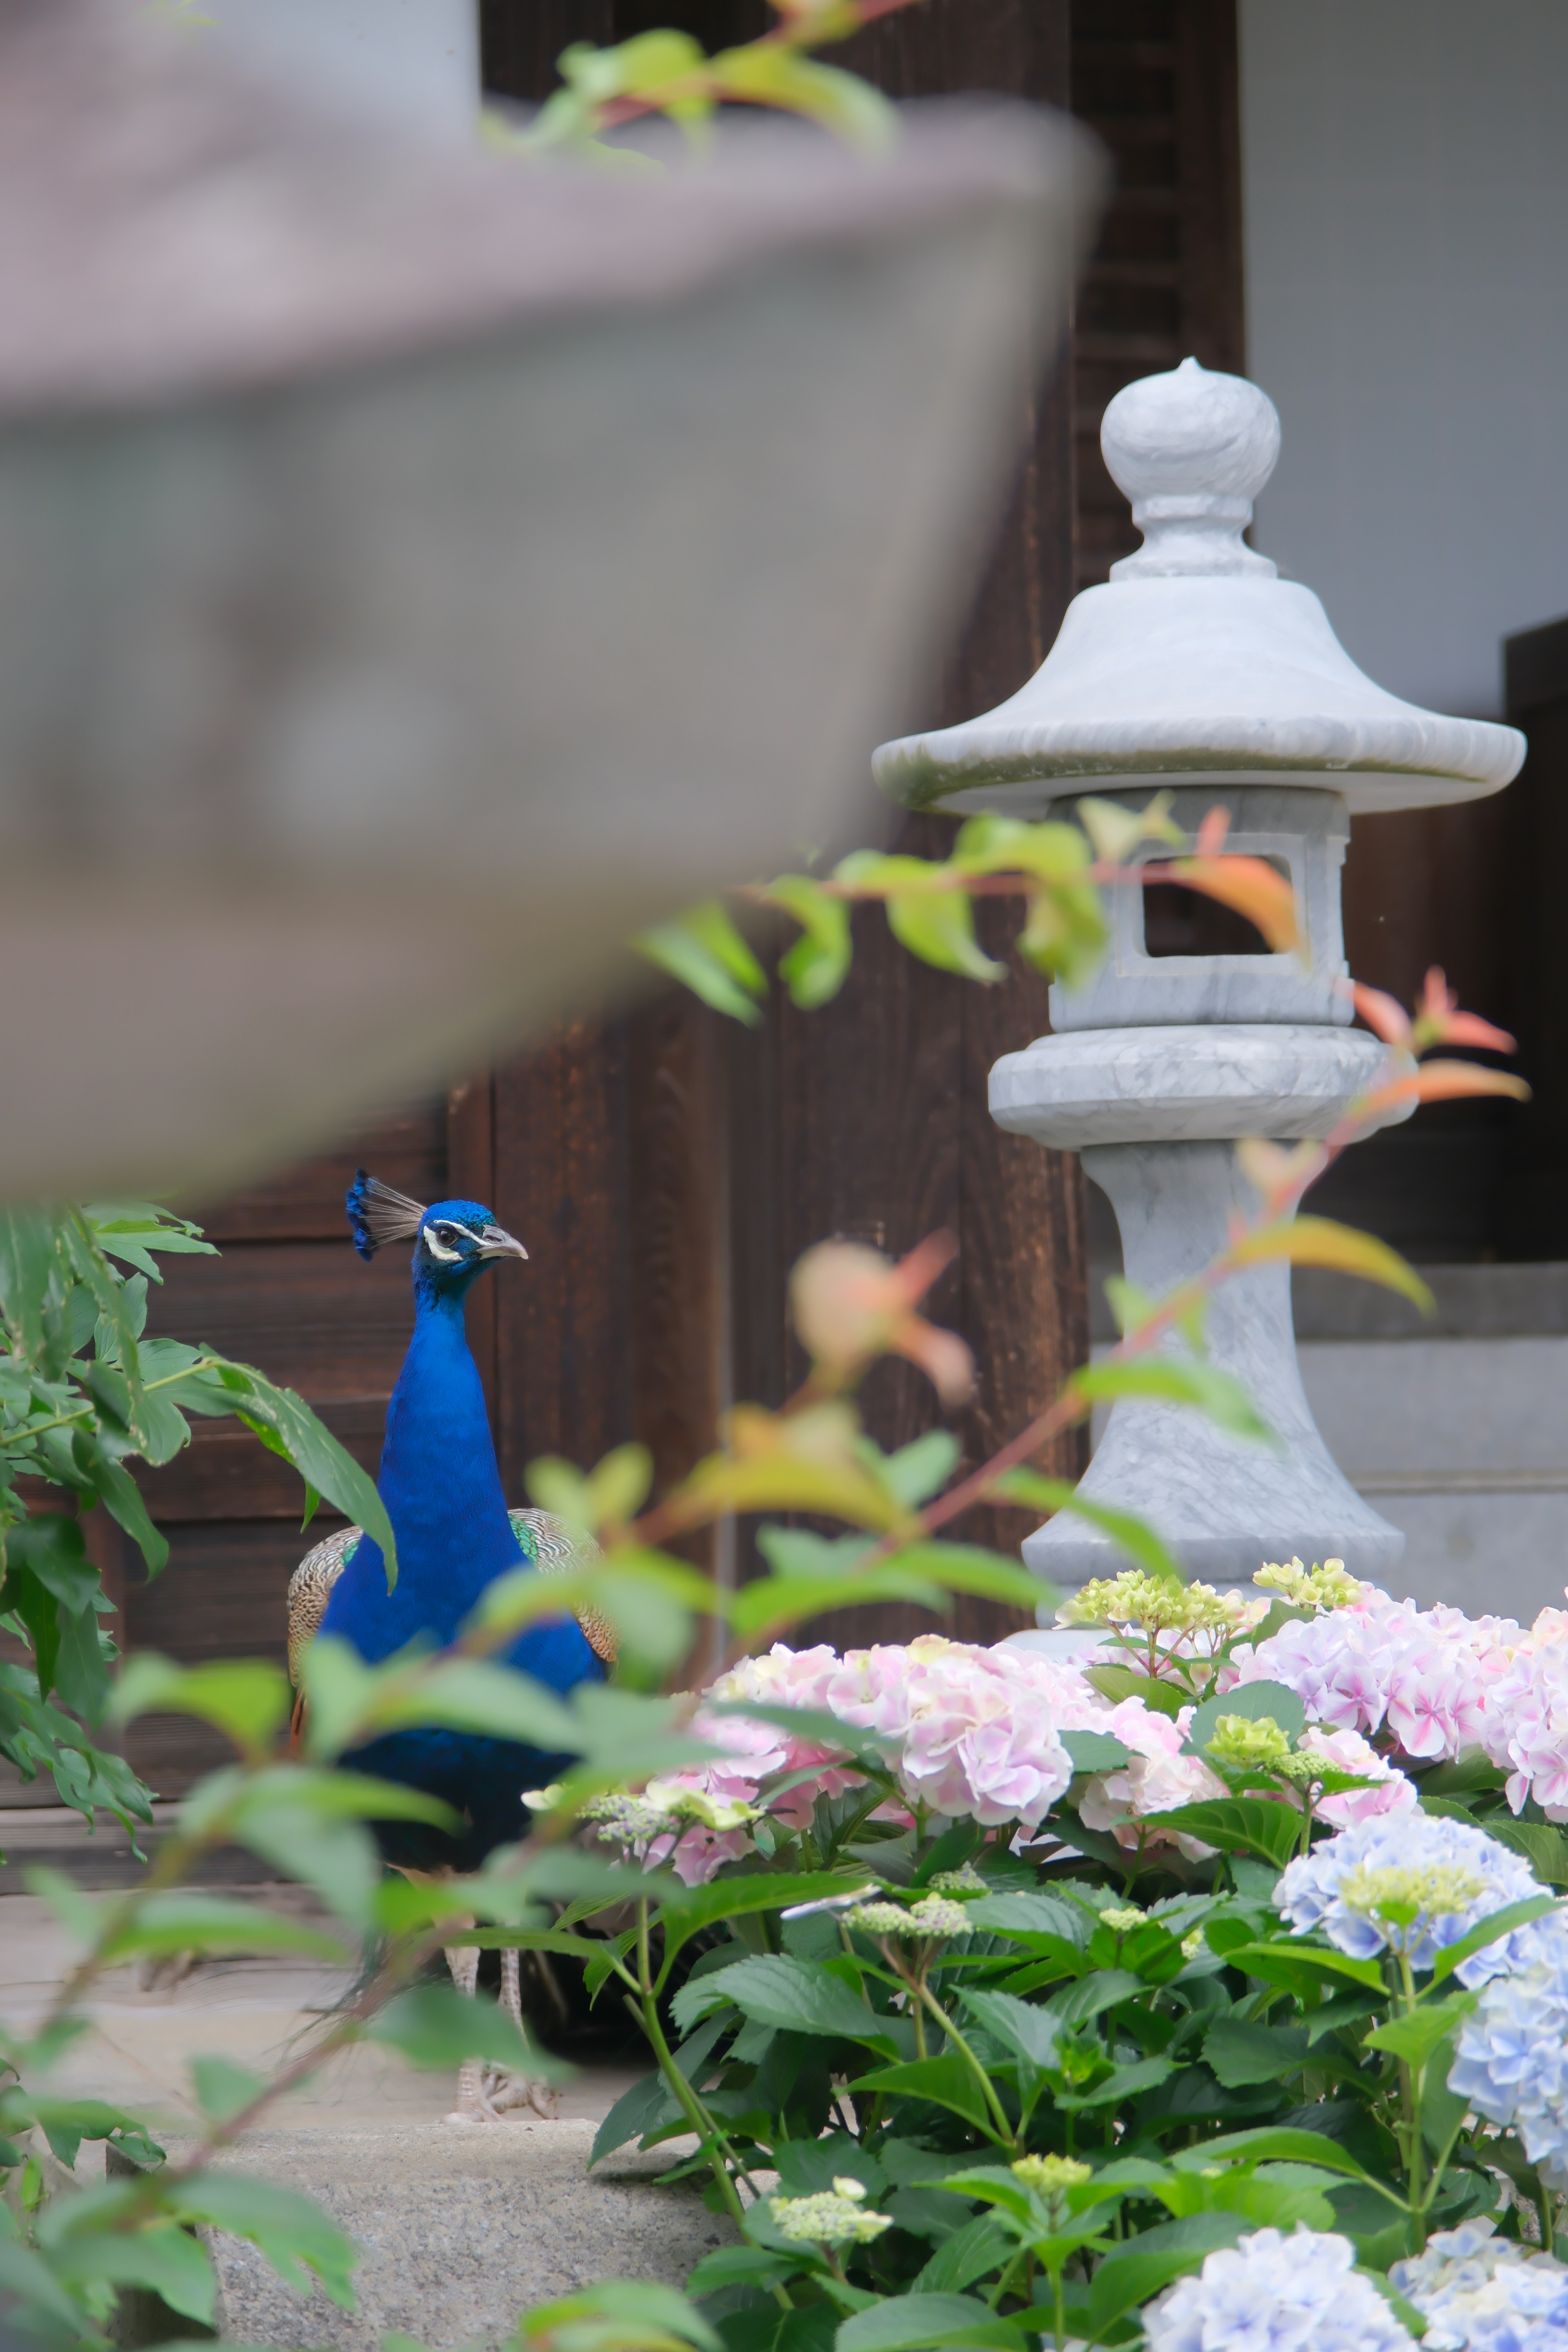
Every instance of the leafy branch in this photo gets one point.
(1057, 869)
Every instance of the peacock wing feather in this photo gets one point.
(554, 1547)
(557, 1549)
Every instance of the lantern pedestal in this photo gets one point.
(1198, 671)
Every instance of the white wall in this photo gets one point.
(416, 61)
(1405, 177)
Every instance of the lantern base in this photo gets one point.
(1223, 1504)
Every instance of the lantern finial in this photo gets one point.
(1191, 449)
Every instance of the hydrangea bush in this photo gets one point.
(1202, 1985)
(1205, 1985)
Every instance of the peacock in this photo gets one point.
(441, 1485)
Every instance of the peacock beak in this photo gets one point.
(495, 1242)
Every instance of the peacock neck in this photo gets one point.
(439, 1478)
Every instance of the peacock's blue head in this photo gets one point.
(453, 1242)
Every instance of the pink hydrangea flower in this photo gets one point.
(1347, 1751)
(1421, 1675)
(784, 1677)
(1526, 1727)
(977, 1728)
(1157, 1780)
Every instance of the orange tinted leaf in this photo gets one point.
(1384, 1014)
(1442, 1081)
(1318, 1241)
(1251, 888)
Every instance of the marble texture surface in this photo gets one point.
(1150, 1084)
(1223, 1504)
(1303, 833)
(1194, 658)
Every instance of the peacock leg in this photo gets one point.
(472, 2106)
(503, 2090)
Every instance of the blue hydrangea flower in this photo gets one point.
(1482, 1878)
(1512, 2064)
(1482, 2294)
(1273, 2293)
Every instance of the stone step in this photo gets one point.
(463, 2227)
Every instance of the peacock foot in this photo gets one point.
(502, 2091)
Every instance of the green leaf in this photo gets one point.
(816, 968)
(792, 1996)
(1290, 1963)
(305, 1440)
(965, 2255)
(968, 1567)
(295, 2235)
(27, 1266)
(1134, 2273)
(1132, 1535)
(620, 2316)
(738, 2266)
(1162, 1378)
(1267, 2143)
(470, 1695)
(1255, 1824)
(704, 951)
(1318, 1241)
(767, 74)
(1487, 1931)
(1050, 1916)
(1416, 2035)
(1095, 1751)
(247, 1699)
(1543, 1844)
(66, 2123)
(686, 1914)
(159, 2256)
(938, 928)
(947, 2082)
(223, 2089)
(1117, 1683)
(1253, 1700)
(180, 1921)
(121, 1498)
(435, 2025)
(1028, 2031)
(649, 2103)
(914, 2322)
(1240, 2054)
(1077, 2003)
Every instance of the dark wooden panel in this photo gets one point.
(563, 1371)
(867, 1120)
(221, 1596)
(471, 1176)
(678, 1183)
(408, 1152)
(309, 1314)
(1156, 79)
(225, 1474)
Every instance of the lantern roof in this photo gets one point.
(1195, 659)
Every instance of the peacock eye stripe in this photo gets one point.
(437, 1249)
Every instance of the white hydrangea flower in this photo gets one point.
(1468, 1873)
(1273, 2293)
(833, 2217)
(1512, 2062)
(1479, 2293)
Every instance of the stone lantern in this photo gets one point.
(1198, 670)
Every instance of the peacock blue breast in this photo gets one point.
(441, 1486)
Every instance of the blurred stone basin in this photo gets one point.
(420, 570)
